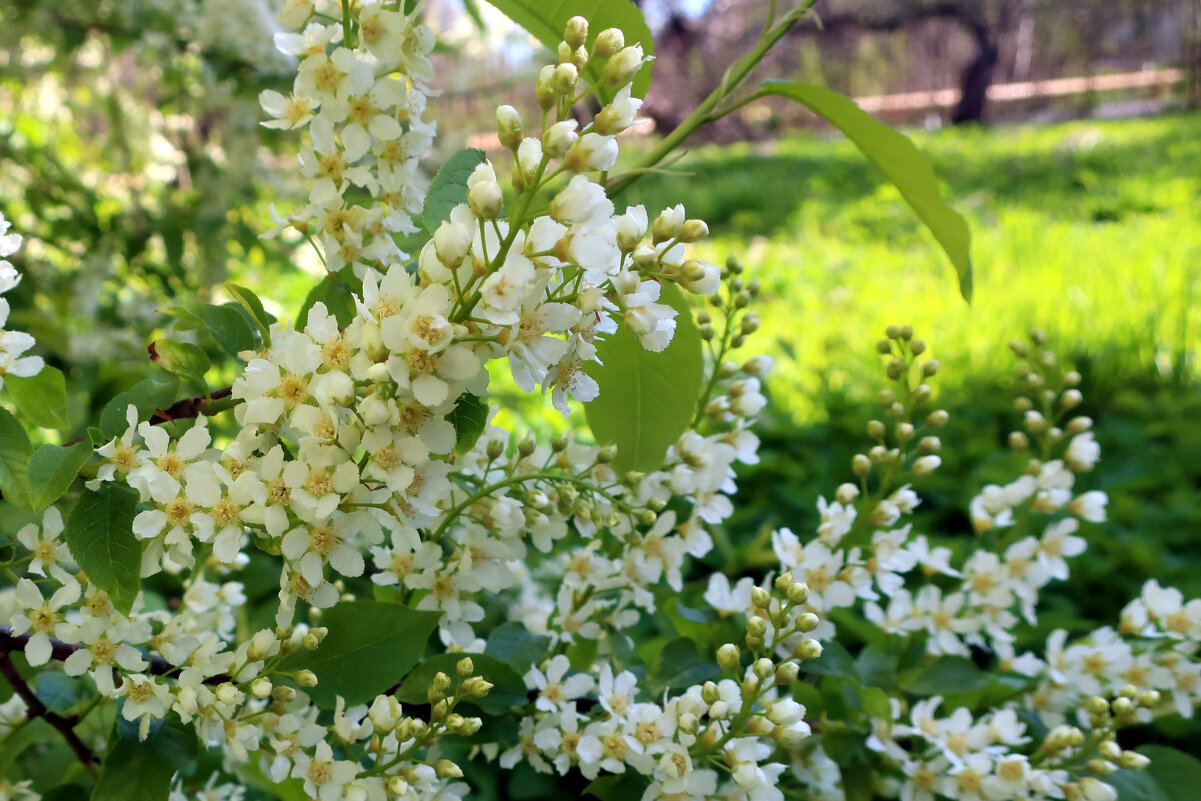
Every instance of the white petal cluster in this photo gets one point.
(13, 344)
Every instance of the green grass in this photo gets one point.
(1088, 230)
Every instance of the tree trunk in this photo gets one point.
(977, 77)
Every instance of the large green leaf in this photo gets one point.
(508, 689)
(228, 324)
(148, 396)
(1172, 776)
(371, 645)
(449, 187)
(180, 358)
(15, 452)
(947, 674)
(142, 770)
(254, 307)
(680, 665)
(336, 291)
(646, 399)
(900, 160)
(41, 398)
(52, 468)
(99, 534)
(546, 19)
(513, 644)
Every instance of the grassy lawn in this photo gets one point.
(1088, 230)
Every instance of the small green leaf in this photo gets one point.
(227, 324)
(900, 160)
(371, 645)
(470, 418)
(874, 702)
(148, 396)
(52, 468)
(336, 291)
(546, 19)
(680, 665)
(142, 771)
(507, 692)
(15, 452)
(254, 307)
(449, 187)
(946, 674)
(513, 644)
(99, 534)
(41, 398)
(180, 358)
(646, 399)
(621, 787)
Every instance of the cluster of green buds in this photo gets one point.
(1049, 397)
(777, 616)
(902, 437)
(445, 693)
(732, 303)
(614, 61)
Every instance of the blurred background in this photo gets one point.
(1066, 131)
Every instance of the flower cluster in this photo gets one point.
(13, 344)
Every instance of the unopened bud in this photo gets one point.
(693, 231)
(808, 649)
(807, 622)
(261, 687)
(764, 667)
(465, 667)
(306, 678)
(798, 593)
(508, 126)
(728, 657)
(576, 32)
(447, 769)
(861, 465)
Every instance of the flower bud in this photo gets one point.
(564, 79)
(559, 137)
(261, 687)
(543, 88)
(693, 231)
(508, 126)
(709, 693)
(807, 622)
(861, 465)
(763, 667)
(760, 598)
(306, 678)
(808, 649)
(576, 32)
(623, 66)
(465, 667)
(445, 769)
(925, 465)
(728, 657)
(1133, 760)
(798, 593)
(608, 42)
(787, 673)
(484, 194)
(756, 626)
(938, 418)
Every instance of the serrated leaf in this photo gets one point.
(470, 418)
(41, 399)
(546, 19)
(646, 399)
(148, 396)
(254, 307)
(513, 644)
(142, 770)
(449, 187)
(180, 358)
(945, 674)
(227, 324)
(370, 646)
(52, 468)
(680, 665)
(905, 165)
(15, 452)
(336, 291)
(99, 534)
(507, 692)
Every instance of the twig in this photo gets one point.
(36, 709)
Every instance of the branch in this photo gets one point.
(36, 709)
(59, 651)
(189, 408)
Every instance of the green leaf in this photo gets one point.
(874, 702)
(58, 691)
(15, 452)
(621, 787)
(680, 665)
(546, 19)
(646, 399)
(227, 324)
(142, 771)
(834, 661)
(52, 468)
(900, 160)
(449, 187)
(148, 396)
(371, 645)
(41, 398)
(254, 307)
(252, 775)
(945, 675)
(507, 692)
(99, 534)
(336, 291)
(513, 644)
(469, 417)
(180, 358)
(1172, 776)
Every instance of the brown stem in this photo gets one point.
(59, 651)
(36, 709)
